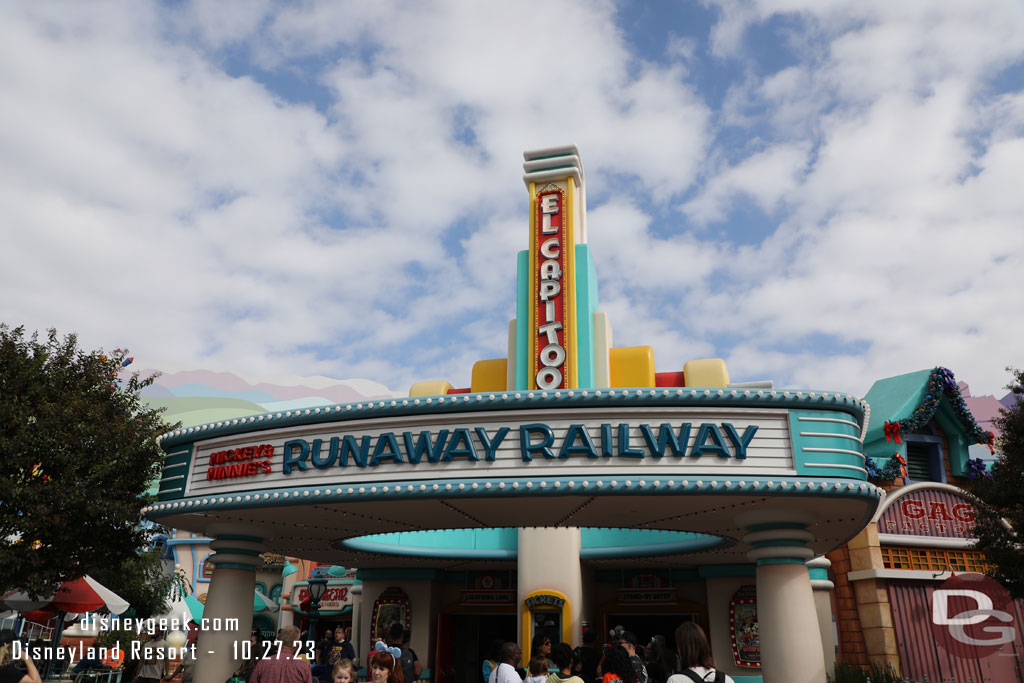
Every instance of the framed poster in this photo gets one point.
(743, 628)
(390, 607)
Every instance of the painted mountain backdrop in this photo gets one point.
(196, 397)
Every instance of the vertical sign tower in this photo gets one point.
(554, 345)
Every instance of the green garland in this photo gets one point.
(893, 468)
(941, 381)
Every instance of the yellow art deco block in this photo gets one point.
(632, 366)
(432, 387)
(706, 372)
(489, 375)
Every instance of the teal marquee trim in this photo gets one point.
(586, 305)
(363, 545)
(518, 487)
(502, 543)
(814, 401)
(826, 443)
(818, 573)
(522, 319)
(780, 560)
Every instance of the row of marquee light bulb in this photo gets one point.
(755, 484)
(571, 393)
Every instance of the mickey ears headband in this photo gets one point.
(393, 651)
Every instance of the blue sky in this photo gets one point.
(822, 193)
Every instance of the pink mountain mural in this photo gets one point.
(229, 384)
(985, 409)
(195, 397)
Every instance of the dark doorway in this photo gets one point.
(471, 636)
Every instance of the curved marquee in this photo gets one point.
(675, 460)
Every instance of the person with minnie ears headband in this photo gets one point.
(384, 666)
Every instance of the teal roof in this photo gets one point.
(893, 399)
(912, 401)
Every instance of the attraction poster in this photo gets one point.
(746, 641)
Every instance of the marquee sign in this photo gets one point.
(929, 512)
(654, 596)
(247, 461)
(673, 442)
(551, 312)
(487, 597)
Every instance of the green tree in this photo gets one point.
(1002, 497)
(140, 579)
(78, 450)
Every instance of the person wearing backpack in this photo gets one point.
(399, 636)
(695, 657)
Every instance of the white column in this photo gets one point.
(549, 558)
(823, 588)
(229, 600)
(791, 650)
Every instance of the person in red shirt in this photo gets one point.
(284, 667)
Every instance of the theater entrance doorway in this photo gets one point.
(463, 640)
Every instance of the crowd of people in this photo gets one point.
(334, 660)
(620, 660)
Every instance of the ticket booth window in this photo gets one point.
(548, 623)
(546, 612)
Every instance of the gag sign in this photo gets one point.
(929, 512)
(552, 303)
(972, 616)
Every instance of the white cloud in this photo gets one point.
(765, 177)
(153, 200)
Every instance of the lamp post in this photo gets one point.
(317, 586)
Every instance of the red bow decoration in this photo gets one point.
(991, 442)
(892, 432)
(901, 460)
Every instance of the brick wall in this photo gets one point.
(852, 649)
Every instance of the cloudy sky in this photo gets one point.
(822, 193)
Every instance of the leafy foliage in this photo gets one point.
(78, 449)
(1002, 497)
(141, 580)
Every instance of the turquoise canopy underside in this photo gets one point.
(503, 543)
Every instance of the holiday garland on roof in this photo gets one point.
(940, 381)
